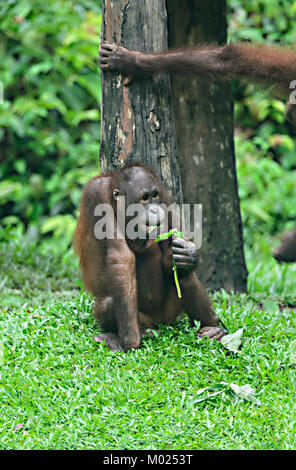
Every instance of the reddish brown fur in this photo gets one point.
(272, 65)
(134, 290)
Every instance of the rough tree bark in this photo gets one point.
(203, 111)
(137, 121)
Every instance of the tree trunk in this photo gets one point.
(137, 121)
(203, 111)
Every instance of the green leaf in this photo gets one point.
(163, 236)
(20, 166)
(9, 190)
(173, 231)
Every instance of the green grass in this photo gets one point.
(58, 388)
(61, 390)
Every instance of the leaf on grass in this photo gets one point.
(246, 392)
(292, 355)
(233, 341)
(209, 392)
(18, 426)
(1, 354)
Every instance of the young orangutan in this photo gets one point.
(270, 65)
(132, 278)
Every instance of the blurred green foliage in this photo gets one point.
(262, 20)
(49, 122)
(265, 142)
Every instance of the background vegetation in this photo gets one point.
(58, 388)
(50, 120)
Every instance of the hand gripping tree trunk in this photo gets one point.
(137, 121)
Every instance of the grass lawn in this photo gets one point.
(61, 390)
